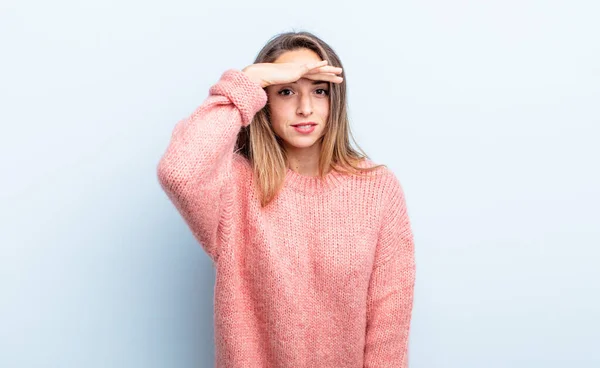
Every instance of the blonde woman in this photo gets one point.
(311, 241)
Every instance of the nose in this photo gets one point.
(305, 105)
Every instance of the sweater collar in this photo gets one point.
(313, 184)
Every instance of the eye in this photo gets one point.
(282, 92)
(325, 91)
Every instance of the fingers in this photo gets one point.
(320, 71)
(326, 69)
(316, 64)
(325, 73)
(327, 77)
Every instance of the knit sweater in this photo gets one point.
(323, 276)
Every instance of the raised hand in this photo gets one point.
(267, 74)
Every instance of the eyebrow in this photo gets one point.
(314, 82)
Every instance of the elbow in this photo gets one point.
(169, 176)
(173, 178)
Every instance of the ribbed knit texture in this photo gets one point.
(321, 277)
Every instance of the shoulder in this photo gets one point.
(383, 174)
(241, 168)
(240, 161)
(386, 184)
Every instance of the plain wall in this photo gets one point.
(487, 112)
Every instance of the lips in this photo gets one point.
(305, 123)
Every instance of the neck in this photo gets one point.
(304, 161)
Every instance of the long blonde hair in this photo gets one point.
(264, 150)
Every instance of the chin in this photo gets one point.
(303, 143)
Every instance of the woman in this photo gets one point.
(311, 241)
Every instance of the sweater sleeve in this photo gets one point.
(390, 295)
(196, 170)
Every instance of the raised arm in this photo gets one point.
(196, 169)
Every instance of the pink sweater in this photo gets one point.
(321, 277)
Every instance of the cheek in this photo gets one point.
(279, 111)
(279, 117)
(323, 108)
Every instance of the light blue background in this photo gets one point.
(487, 111)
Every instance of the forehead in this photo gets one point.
(298, 56)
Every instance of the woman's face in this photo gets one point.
(304, 101)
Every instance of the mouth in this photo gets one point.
(306, 124)
(305, 128)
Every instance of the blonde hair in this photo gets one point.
(264, 150)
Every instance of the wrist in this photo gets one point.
(250, 74)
